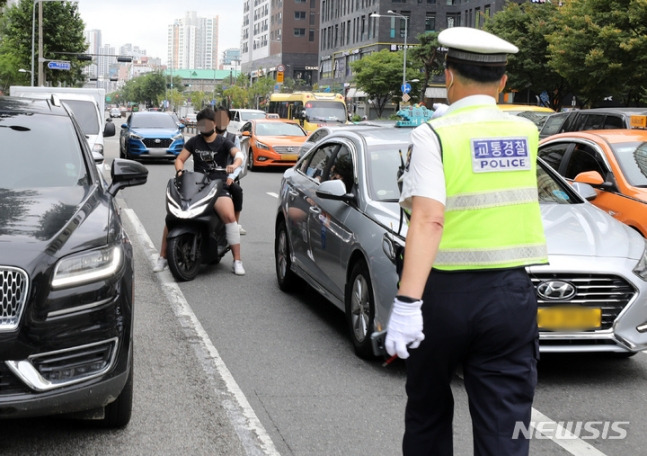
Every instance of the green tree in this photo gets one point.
(62, 36)
(380, 76)
(526, 26)
(237, 95)
(146, 89)
(428, 57)
(261, 90)
(600, 47)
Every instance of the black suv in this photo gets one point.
(66, 270)
(594, 119)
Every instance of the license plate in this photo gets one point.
(569, 318)
(292, 157)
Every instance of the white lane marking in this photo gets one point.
(570, 442)
(254, 438)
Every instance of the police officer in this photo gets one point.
(465, 299)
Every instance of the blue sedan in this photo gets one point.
(151, 135)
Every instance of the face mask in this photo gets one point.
(208, 133)
(220, 130)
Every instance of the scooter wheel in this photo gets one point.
(183, 261)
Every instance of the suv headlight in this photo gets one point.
(178, 136)
(134, 136)
(641, 268)
(87, 267)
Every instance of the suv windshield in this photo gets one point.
(153, 121)
(36, 162)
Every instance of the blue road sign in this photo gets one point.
(58, 65)
(406, 87)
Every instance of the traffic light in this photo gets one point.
(124, 58)
(84, 57)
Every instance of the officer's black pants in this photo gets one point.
(485, 322)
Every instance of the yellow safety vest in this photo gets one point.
(492, 215)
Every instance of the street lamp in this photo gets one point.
(392, 13)
(40, 36)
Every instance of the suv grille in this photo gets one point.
(14, 285)
(608, 292)
(153, 142)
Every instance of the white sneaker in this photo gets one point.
(237, 267)
(242, 230)
(161, 264)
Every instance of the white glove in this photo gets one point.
(404, 328)
(439, 109)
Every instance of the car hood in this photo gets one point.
(571, 230)
(584, 230)
(154, 132)
(56, 221)
(282, 140)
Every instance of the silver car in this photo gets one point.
(339, 228)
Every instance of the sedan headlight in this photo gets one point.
(641, 268)
(88, 267)
(260, 145)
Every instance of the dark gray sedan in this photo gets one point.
(339, 228)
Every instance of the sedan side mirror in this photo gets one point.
(334, 190)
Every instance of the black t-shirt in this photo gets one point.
(209, 155)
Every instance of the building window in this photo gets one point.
(430, 22)
(299, 32)
(299, 15)
(311, 35)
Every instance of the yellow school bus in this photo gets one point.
(311, 109)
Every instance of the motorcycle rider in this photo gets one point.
(206, 148)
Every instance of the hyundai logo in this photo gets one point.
(556, 290)
(157, 140)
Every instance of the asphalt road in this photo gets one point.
(231, 365)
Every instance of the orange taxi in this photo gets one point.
(613, 162)
(272, 142)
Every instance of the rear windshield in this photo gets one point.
(40, 151)
(86, 115)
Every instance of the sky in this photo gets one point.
(144, 23)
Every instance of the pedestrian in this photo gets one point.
(223, 117)
(465, 298)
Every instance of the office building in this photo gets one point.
(280, 33)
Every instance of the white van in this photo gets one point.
(87, 105)
(240, 116)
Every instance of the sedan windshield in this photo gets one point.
(35, 163)
(153, 121)
(632, 158)
(278, 129)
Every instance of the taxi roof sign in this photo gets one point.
(636, 121)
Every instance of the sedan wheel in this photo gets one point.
(284, 275)
(250, 160)
(360, 310)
